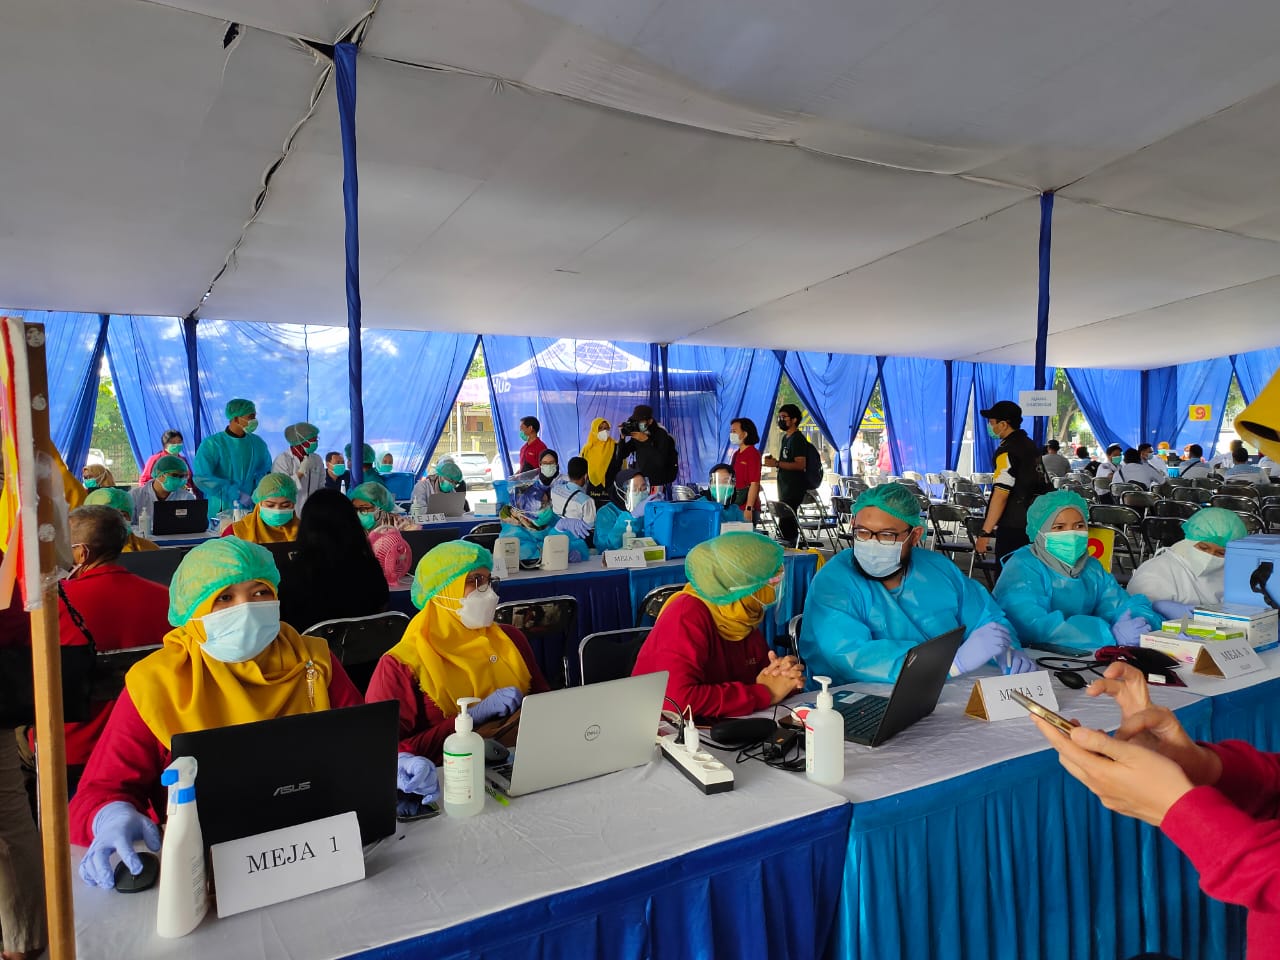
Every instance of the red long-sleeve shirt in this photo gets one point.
(128, 760)
(1231, 833)
(716, 677)
(423, 727)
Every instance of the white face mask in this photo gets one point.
(477, 608)
(878, 560)
(237, 634)
(735, 439)
(1200, 563)
(549, 470)
(602, 436)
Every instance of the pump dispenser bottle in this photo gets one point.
(824, 739)
(184, 894)
(464, 765)
(628, 537)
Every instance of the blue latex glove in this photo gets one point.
(988, 642)
(116, 828)
(1017, 662)
(575, 526)
(1128, 630)
(1172, 609)
(415, 774)
(502, 702)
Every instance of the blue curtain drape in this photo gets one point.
(914, 392)
(835, 388)
(992, 382)
(1111, 401)
(1171, 392)
(74, 344)
(962, 376)
(1254, 369)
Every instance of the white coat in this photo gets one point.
(308, 473)
(1166, 576)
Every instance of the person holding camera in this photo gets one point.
(654, 449)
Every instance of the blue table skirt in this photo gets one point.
(769, 895)
(1019, 861)
(1252, 714)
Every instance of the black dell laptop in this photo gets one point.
(871, 720)
(169, 517)
(255, 777)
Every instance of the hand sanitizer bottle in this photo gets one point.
(824, 739)
(628, 537)
(464, 765)
(144, 523)
(184, 896)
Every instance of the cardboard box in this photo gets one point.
(1259, 624)
(1184, 651)
(1201, 630)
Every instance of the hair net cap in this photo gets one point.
(369, 455)
(371, 491)
(444, 564)
(1214, 525)
(1048, 505)
(449, 470)
(213, 566)
(169, 464)
(275, 485)
(299, 433)
(113, 497)
(239, 407)
(895, 500)
(731, 566)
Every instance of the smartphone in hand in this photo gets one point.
(1043, 712)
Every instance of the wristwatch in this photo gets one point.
(986, 533)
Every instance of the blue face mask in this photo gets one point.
(240, 633)
(1067, 546)
(446, 486)
(275, 518)
(385, 467)
(339, 469)
(878, 560)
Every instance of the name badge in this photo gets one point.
(632, 559)
(990, 698)
(285, 864)
(1227, 659)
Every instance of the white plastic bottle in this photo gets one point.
(464, 765)
(144, 523)
(628, 537)
(184, 895)
(824, 739)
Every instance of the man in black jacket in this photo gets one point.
(653, 448)
(1019, 478)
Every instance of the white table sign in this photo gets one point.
(1227, 659)
(990, 698)
(433, 518)
(625, 559)
(285, 864)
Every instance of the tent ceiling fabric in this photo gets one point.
(588, 168)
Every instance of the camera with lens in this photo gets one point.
(628, 427)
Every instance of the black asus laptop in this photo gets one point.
(872, 720)
(157, 566)
(254, 777)
(169, 517)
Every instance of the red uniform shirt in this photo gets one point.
(746, 467)
(423, 727)
(530, 454)
(716, 677)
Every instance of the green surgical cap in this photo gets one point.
(732, 566)
(275, 485)
(169, 464)
(112, 497)
(444, 564)
(449, 470)
(371, 491)
(239, 407)
(895, 500)
(1047, 506)
(297, 434)
(213, 566)
(1214, 525)
(369, 455)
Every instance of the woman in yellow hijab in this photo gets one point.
(273, 519)
(453, 649)
(601, 453)
(708, 636)
(228, 660)
(120, 500)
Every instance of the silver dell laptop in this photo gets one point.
(583, 732)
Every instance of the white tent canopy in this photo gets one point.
(856, 176)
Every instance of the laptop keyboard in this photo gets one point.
(862, 716)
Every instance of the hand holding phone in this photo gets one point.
(1043, 712)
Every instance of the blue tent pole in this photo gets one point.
(344, 62)
(1144, 406)
(951, 416)
(1042, 309)
(193, 376)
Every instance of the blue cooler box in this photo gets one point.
(683, 525)
(1244, 556)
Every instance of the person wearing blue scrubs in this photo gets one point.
(1055, 593)
(229, 464)
(867, 607)
(721, 490)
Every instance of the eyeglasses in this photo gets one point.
(481, 581)
(864, 535)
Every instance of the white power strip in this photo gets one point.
(703, 769)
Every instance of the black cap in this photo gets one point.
(1005, 410)
(642, 412)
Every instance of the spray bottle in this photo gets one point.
(464, 765)
(183, 892)
(824, 739)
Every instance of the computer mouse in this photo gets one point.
(1071, 679)
(126, 882)
(495, 753)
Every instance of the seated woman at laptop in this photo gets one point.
(708, 636)
(453, 649)
(120, 500)
(1054, 592)
(375, 507)
(169, 481)
(272, 519)
(228, 660)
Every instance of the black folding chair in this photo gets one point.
(842, 507)
(360, 642)
(1271, 517)
(550, 624)
(1238, 504)
(1161, 531)
(986, 562)
(610, 654)
(793, 635)
(950, 543)
(1197, 494)
(1252, 522)
(815, 518)
(1180, 509)
(653, 602)
(1139, 500)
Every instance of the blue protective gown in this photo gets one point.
(531, 540)
(1045, 606)
(611, 524)
(855, 629)
(228, 467)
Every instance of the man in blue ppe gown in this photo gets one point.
(229, 464)
(1055, 593)
(867, 607)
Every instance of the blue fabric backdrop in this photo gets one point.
(1173, 391)
(1254, 369)
(835, 388)
(914, 392)
(992, 382)
(1111, 401)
